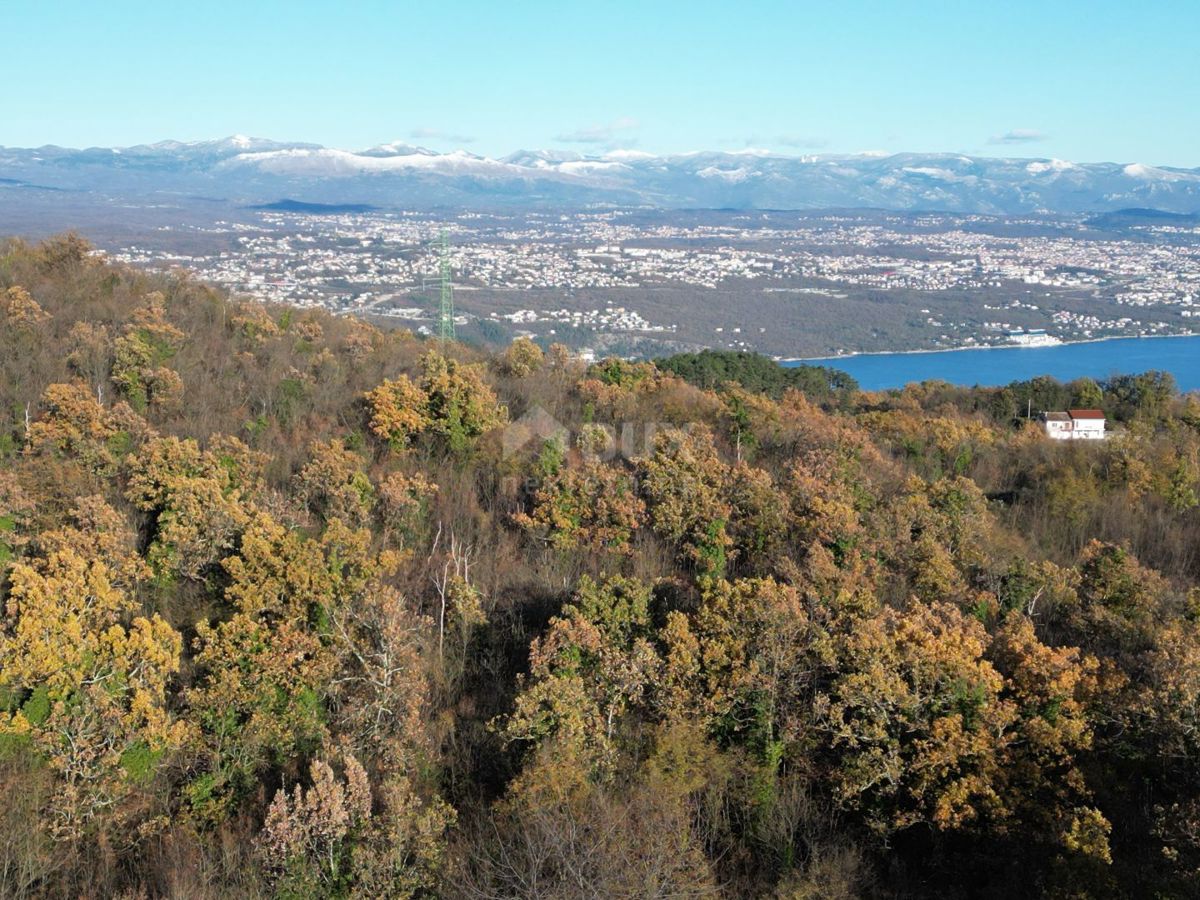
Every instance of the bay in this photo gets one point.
(990, 367)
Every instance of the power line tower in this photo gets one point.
(446, 317)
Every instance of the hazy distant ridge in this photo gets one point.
(253, 170)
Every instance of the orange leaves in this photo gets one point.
(593, 664)
(20, 311)
(758, 524)
(315, 639)
(683, 480)
(333, 485)
(760, 653)
(75, 424)
(266, 667)
(523, 357)
(1050, 686)
(254, 323)
(823, 505)
(94, 677)
(397, 411)
(614, 387)
(452, 403)
(916, 717)
(196, 498)
(593, 506)
(713, 512)
(459, 405)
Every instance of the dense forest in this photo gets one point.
(297, 607)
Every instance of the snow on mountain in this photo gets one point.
(625, 155)
(589, 166)
(395, 148)
(1039, 167)
(932, 172)
(326, 163)
(234, 144)
(257, 170)
(542, 159)
(1154, 173)
(731, 175)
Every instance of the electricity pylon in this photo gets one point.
(446, 318)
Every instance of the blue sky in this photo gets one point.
(1101, 80)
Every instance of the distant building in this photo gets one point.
(1075, 425)
(1034, 337)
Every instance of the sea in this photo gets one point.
(998, 366)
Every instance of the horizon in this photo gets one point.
(614, 153)
(1072, 81)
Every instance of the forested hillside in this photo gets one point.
(296, 607)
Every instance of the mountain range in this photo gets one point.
(255, 171)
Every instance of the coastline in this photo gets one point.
(798, 360)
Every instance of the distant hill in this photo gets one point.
(1124, 218)
(254, 171)
(316, 209)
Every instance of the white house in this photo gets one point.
(1075, 425)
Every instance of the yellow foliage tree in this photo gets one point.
(397, 409)
(196, 499)
(917, 721)
(593, 506)
(85, 681)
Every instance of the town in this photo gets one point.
(634, 281)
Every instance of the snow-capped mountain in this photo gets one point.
(253, 170)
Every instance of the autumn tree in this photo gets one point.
(683, 481)
(402, 506)
(523, 357)
(20, 311)
(264, 670)
(758, 520)
(459, 405)
(916, 720)
(593, 665)
(1051, 689)
(333, 484)
(140, 355)
(194, 498)
(592, 506)
(379, 698)
(397, 411)
(308, 836)
(452, 403)
(84, 678)
(75, 425)
(760, 650)
(317, 644)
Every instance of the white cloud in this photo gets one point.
(794, 141)
(801, 141)
(610, 133)
(1018, 136)
(436, 134)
